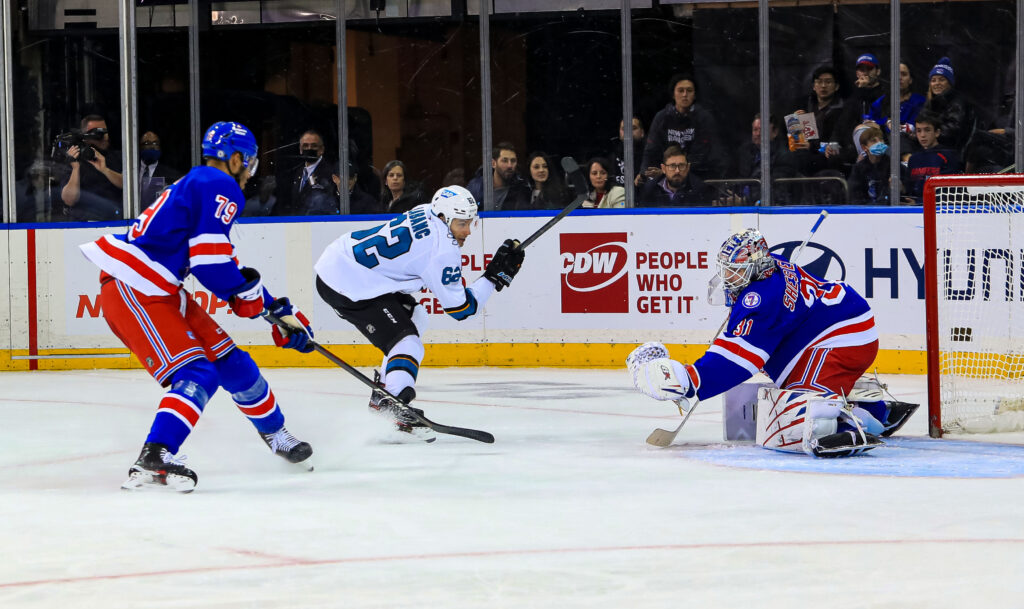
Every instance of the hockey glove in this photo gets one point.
(505, 264)
(299, 336)
(664, 379)
(248, 300)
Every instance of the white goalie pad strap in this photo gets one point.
(665, 379)
(787, 420)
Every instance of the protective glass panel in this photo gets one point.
(164, 129)
(279, 80)
(556, 91)
(967, 82)
(695, 95)
(414, 108)
(66, 81)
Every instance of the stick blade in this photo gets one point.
(661, 438)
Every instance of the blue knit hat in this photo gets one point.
(943, 68)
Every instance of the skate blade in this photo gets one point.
(147, 482)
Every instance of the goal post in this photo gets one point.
(974, 303)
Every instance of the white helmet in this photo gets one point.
(455, 202)
(743, 258)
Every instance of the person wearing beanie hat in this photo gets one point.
(945, 70)
(956, 114)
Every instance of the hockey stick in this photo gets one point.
(472, 434)
(572, 168)
(662, 437)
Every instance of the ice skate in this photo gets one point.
(289, 448)
(385, 405)
(897, 414)
(844, 444)
(157, 469)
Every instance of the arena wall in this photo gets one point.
(592, 288)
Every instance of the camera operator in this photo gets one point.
(92, 191)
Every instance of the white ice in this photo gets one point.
(569, 508)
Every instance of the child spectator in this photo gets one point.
(933, 158)
(869, 179)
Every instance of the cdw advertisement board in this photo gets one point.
(597, 278)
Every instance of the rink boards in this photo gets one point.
(595, 285)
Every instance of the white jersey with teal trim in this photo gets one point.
(413, 251)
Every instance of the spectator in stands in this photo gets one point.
(604, 192)
(833, 125)
(933, 158)
(748, 161)
(262, 203)
(313, 188)
(154, 175)
(618, 153)
(866, 88)
(687, 125)
(910, 105)
(678, 188)
(869, 179)
(455, 177)
(955, 113)
(92, 189)
(36, 194)
(400, 195)
(358, 201)
(510, 190)
(547, 191)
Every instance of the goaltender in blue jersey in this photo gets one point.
(813, 338)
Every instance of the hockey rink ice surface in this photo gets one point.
(569, 508)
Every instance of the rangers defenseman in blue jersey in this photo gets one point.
(813, 338)
(187, 231)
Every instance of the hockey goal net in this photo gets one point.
(974, 303)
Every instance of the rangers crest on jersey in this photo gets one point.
(751, 300)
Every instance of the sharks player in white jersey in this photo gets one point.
(813, 338)
(368, 278)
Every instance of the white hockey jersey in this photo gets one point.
(413, 251)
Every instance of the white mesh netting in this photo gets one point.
(980, 265)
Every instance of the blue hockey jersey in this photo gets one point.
(186, 230)
(776, 319)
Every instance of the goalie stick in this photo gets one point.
(472, 434)
(663, 437)
(571, 168)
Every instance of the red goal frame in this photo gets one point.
(931, 280)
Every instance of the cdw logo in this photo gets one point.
(593, 267)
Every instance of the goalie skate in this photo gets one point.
(844, 444)
(289, 448)
(157, 469)
(387, 406)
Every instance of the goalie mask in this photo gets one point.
(743, 258)
(455, 203)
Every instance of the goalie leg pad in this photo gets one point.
(790, 420)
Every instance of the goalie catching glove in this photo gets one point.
(299, 334)
(505, 264)
(659, 377)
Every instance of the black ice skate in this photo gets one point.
(157, 469)
(897, 414)
(844, 444)
(385, 405)
(289, 448)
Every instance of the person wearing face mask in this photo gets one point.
(314, 185)
(869, 179)
(154, 175)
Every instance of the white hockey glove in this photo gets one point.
(643, 354)
(665, 379)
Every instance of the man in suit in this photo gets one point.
(313, 185)
(154, 176)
